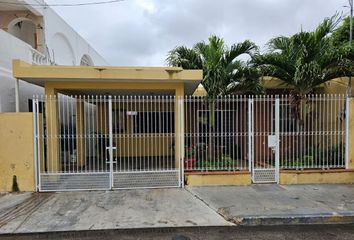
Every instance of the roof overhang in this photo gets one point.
(41, 74)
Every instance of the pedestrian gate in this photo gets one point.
(103, 142)
(264, 139)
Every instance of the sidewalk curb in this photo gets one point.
(315, 219)
(290, 220)
(173, 231)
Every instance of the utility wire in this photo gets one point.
(61, 4)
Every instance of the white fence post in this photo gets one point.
(347, 115)
(181, 121)
(277, 149)
(110, 148)
(250, 135)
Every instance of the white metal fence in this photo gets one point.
(313, 133)
(216, 134)
(102, 142)
(252, 133)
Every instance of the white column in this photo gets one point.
(17, 95)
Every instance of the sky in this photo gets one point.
(141, 32)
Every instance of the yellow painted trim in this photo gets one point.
(179, 125)
(69, 85)
(52, 123)
(286, 177)
(237, 179)
(24, 70)
(303, 177)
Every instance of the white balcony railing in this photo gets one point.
(13, 48)
(38, 57)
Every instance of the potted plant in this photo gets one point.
(190, 158)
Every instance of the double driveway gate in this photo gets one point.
(106, 142)
(101, 142)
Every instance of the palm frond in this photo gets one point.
(184, 57)
(246, 47)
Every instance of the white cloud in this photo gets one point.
(141, 32)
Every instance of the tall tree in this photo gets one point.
(307, 59)
(222, 71)
(341, 35)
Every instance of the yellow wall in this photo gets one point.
(130, 143)
(286, 177)
(311, 177)
(335, 86)
(16, 151)
(218, 179)
(143, 145)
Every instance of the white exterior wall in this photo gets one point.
(14, 48)
(68, 45)
(61, 43)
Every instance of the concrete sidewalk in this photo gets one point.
(280, 204)
(193, 206)
(73, 211)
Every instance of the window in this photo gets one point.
(153, 122)
(86, 61)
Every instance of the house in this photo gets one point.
(37, 35)
(101, 127)
(107, 127)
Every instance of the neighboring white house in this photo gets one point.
(37, 35)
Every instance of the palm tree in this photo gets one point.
(222, 71)
(306, 60)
